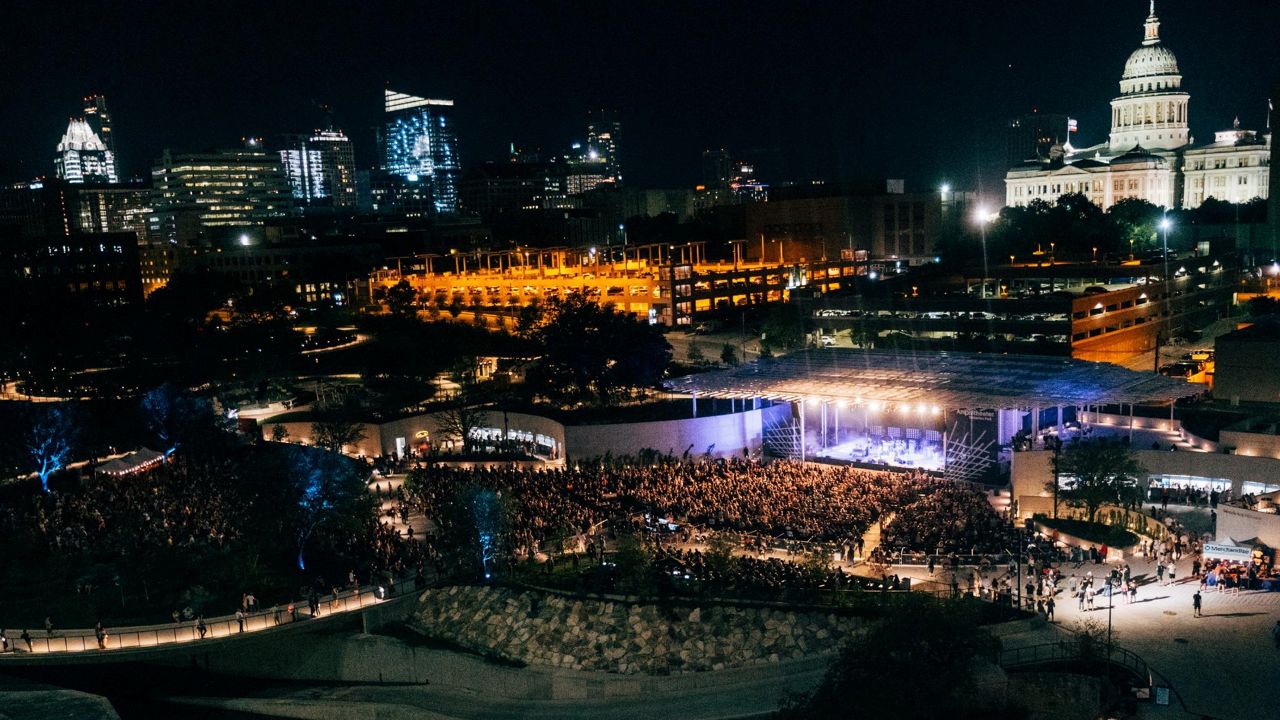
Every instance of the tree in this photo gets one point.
(1096, 473)
(593, 351)
(460, 422)
(402, 299)
(279, 433)
(168, 414)
(694, 354)
(49, 439)
(475, 531)
(718, 557)
(783, 327)
(333, 434)
(935, 644)
(1136, 221)
(326, 489)
(634, 560)
(728, 355)
(528, 317)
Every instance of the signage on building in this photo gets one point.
(1222, 551)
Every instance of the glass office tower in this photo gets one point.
(420, 145)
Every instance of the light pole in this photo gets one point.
(1111, 602)
(1165, 224)
(985, 217)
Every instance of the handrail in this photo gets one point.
(1066, 650)
(186, 631)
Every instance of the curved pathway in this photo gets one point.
(84, 640)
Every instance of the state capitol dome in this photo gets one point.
(1150, 60)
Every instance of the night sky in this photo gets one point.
(837, 90)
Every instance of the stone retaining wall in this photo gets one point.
(564, 632)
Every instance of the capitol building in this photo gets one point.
(1150, 153)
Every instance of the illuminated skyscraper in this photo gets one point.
(96, 114)
(603, 135)
(717, 169)
(420, 145)
(82, 157)
(321, 169)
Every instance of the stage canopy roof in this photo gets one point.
(946, 379)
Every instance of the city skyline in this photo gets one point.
(885, 104)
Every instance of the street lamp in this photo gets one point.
(983, 218)
(1165, 224)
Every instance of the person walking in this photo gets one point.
(100, 633)
(276, 611)
(1089, 598)
(1173, 572)
(240, 620)
(1195, 604)
(1160, 572)
(201, 627)
(1048, 609)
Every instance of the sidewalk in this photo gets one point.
(1223, 664)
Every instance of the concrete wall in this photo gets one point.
(1239, 524)
(1252, 444)
(1245, 370)
(720, 435)
(369, 446)
(726, 435)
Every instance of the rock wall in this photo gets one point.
(552, 630)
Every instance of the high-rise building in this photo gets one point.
(1033, 135)
(99, 118)
(420, 145)
(320, 168)
(195, 194)
(492, 188)
(604, 133)
(717, 169)
(82, 157)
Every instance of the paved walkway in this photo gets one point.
(1223, 664)
(384, 487)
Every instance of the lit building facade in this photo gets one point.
(82, 157)
(1149, 153)
(604, 133)
(1235, 168)
(99, 119)
(320, 169)
(197, 192)
(420, 145)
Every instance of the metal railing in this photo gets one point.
(186, 631)
(1068, 651)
